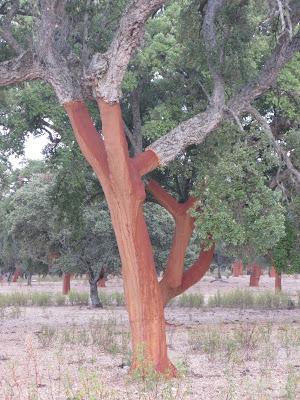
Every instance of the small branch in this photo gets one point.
(164, 198)
(131, 139)
(236, 119)
(281, 153)
(20, 69)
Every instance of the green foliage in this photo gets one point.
(236, 206)
(286, 254)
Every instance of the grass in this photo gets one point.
(246, 299)
(190, 300)
(78, 298)
(44, 299)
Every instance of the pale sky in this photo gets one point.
(33, 150)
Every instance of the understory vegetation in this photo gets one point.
(238, 298)
(242, 357)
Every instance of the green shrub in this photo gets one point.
(59, 299)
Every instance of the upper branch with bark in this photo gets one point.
(214, 55)
(195, 129)
(23, 68)
(106, 71)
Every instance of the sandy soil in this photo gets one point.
(48, 353)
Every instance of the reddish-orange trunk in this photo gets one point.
(256, 272)
(278, 281)
(175, 280)
(101, 282)
(237, 269)
(125, 195)
(17, 274)
(66, 283)
(272, 272)
(121, 181)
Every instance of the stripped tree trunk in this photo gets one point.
(125, 195)
(29, 278)
(278, 281)
(66, 283)
(17, 274)
(272, 272)
(256, 272)
(175, 280)
(102, 280)
(237, 269)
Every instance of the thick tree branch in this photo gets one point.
(175, 278)
(106, 71)
(282, 54)
(189, 277)
(20, 69)
(214, 55)
(89, 140)
(195, 130)
(86, 17)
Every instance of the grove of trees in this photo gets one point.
(190, 104)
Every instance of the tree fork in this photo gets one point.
(175, 280)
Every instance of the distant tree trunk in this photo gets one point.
(94, 278)
(278, 281)
(95, 301)
(29, 278)
(272, 272)
(237, 269)
(66, 283)
(102, 280)
(219, 272)
(256, 272)
(17, 274)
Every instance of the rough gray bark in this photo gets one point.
(20, 69)
(29, 278)
(106, 71)
(95, 301)
(93, 281)
(214, 54)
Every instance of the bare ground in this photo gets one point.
(49, 353)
